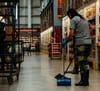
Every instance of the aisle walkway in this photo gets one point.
(37, 74)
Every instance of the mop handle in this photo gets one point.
(68, 66)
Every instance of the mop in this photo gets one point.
(61, 79)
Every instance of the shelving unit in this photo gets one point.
(10, 63)
(55, 51)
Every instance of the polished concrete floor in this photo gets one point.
(38, 72)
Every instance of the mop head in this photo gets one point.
(62, 80)
(59, 76)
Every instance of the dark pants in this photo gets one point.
(81, 54)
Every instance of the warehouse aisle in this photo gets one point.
(37, 74)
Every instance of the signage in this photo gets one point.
(59, 14)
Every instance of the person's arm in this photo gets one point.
(68, 38)
(73, 23)
(71, 33)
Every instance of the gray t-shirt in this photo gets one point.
(82, 33)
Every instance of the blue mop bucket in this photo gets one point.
(64, 81)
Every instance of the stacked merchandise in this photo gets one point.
(55, 51)
(9, 65)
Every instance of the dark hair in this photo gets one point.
(92, 21)
(72, 12)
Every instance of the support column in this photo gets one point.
(97, 32)
(29, 13)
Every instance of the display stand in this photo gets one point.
(55, 51)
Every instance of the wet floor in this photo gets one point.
(37, 74)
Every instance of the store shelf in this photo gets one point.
(11, 64)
